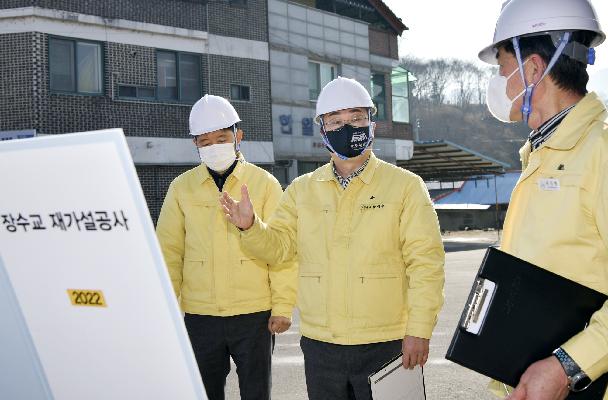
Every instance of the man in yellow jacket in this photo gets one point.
(558, 214)
(233, 302)
(369, 252)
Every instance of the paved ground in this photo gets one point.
(444, 380)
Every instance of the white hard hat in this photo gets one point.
(211, 113)
(525, 17)
(340, 94)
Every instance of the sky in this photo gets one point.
(460, 28)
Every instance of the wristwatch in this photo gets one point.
(577, 378)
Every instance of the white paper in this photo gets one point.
(136, 347)
(393, 382)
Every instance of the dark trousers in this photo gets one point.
(340, 372)
(244, 337)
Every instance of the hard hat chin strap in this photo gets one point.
(526, 107)
(237, 145)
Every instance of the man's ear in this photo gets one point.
(372, 130)
(535, 67)
(239, 135)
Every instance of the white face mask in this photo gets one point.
(498, 102)
(218, 157)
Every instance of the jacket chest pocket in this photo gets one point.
(250, 280)
(199, 213)
(378, 298)
(312, 294)
(555, 199)
(197, 281)
(315, 223)
(383, 219)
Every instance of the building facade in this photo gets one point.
(73, 66)
(313, 42)
(79, 65)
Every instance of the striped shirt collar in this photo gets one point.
(345, 181)
(539, 136)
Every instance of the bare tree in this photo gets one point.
(482, 76)
(420, 87)
(439, 76)
(464, 75)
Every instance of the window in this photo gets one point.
(379, 95)
(238, 3)
(319, 75)
(400, 86)
(239, 92)
(75, 66)
(179, 76)
(136, 92)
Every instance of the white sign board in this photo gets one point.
(86, 305)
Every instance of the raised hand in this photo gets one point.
(240, 213)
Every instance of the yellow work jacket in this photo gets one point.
(210, 273)
(558, 217)
(370, 256)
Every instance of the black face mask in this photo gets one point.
(349, 141)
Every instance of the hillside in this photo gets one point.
(472, 127)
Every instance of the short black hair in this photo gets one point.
(568, 74)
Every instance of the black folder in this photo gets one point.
(518, 313)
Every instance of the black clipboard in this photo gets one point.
(518, 313)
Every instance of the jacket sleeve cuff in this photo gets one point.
(422, 330)
(282, 310)
(583, 348)
(254, 230)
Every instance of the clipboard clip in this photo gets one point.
(478, 305)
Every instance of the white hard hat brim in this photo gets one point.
(213, 128)
(372, 107)
(488, 55)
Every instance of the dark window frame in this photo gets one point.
(74, 42)
(240, 86)
(239, 3)
(399, 95)
(335, 74)
(137, 88)
(177, 76)
(376, 103)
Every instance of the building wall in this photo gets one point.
(154, 128)
(155, 180)
(182, 14)
(459, 220)
(383, 43)
(129, 64)
(249, 22)
(299, 34)
(16, 85)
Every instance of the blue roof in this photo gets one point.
(481, 191)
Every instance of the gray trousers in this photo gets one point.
(244, 337)
(340, 372)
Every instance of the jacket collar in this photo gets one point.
(326, 173)
(573, 127)
(567, 135)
